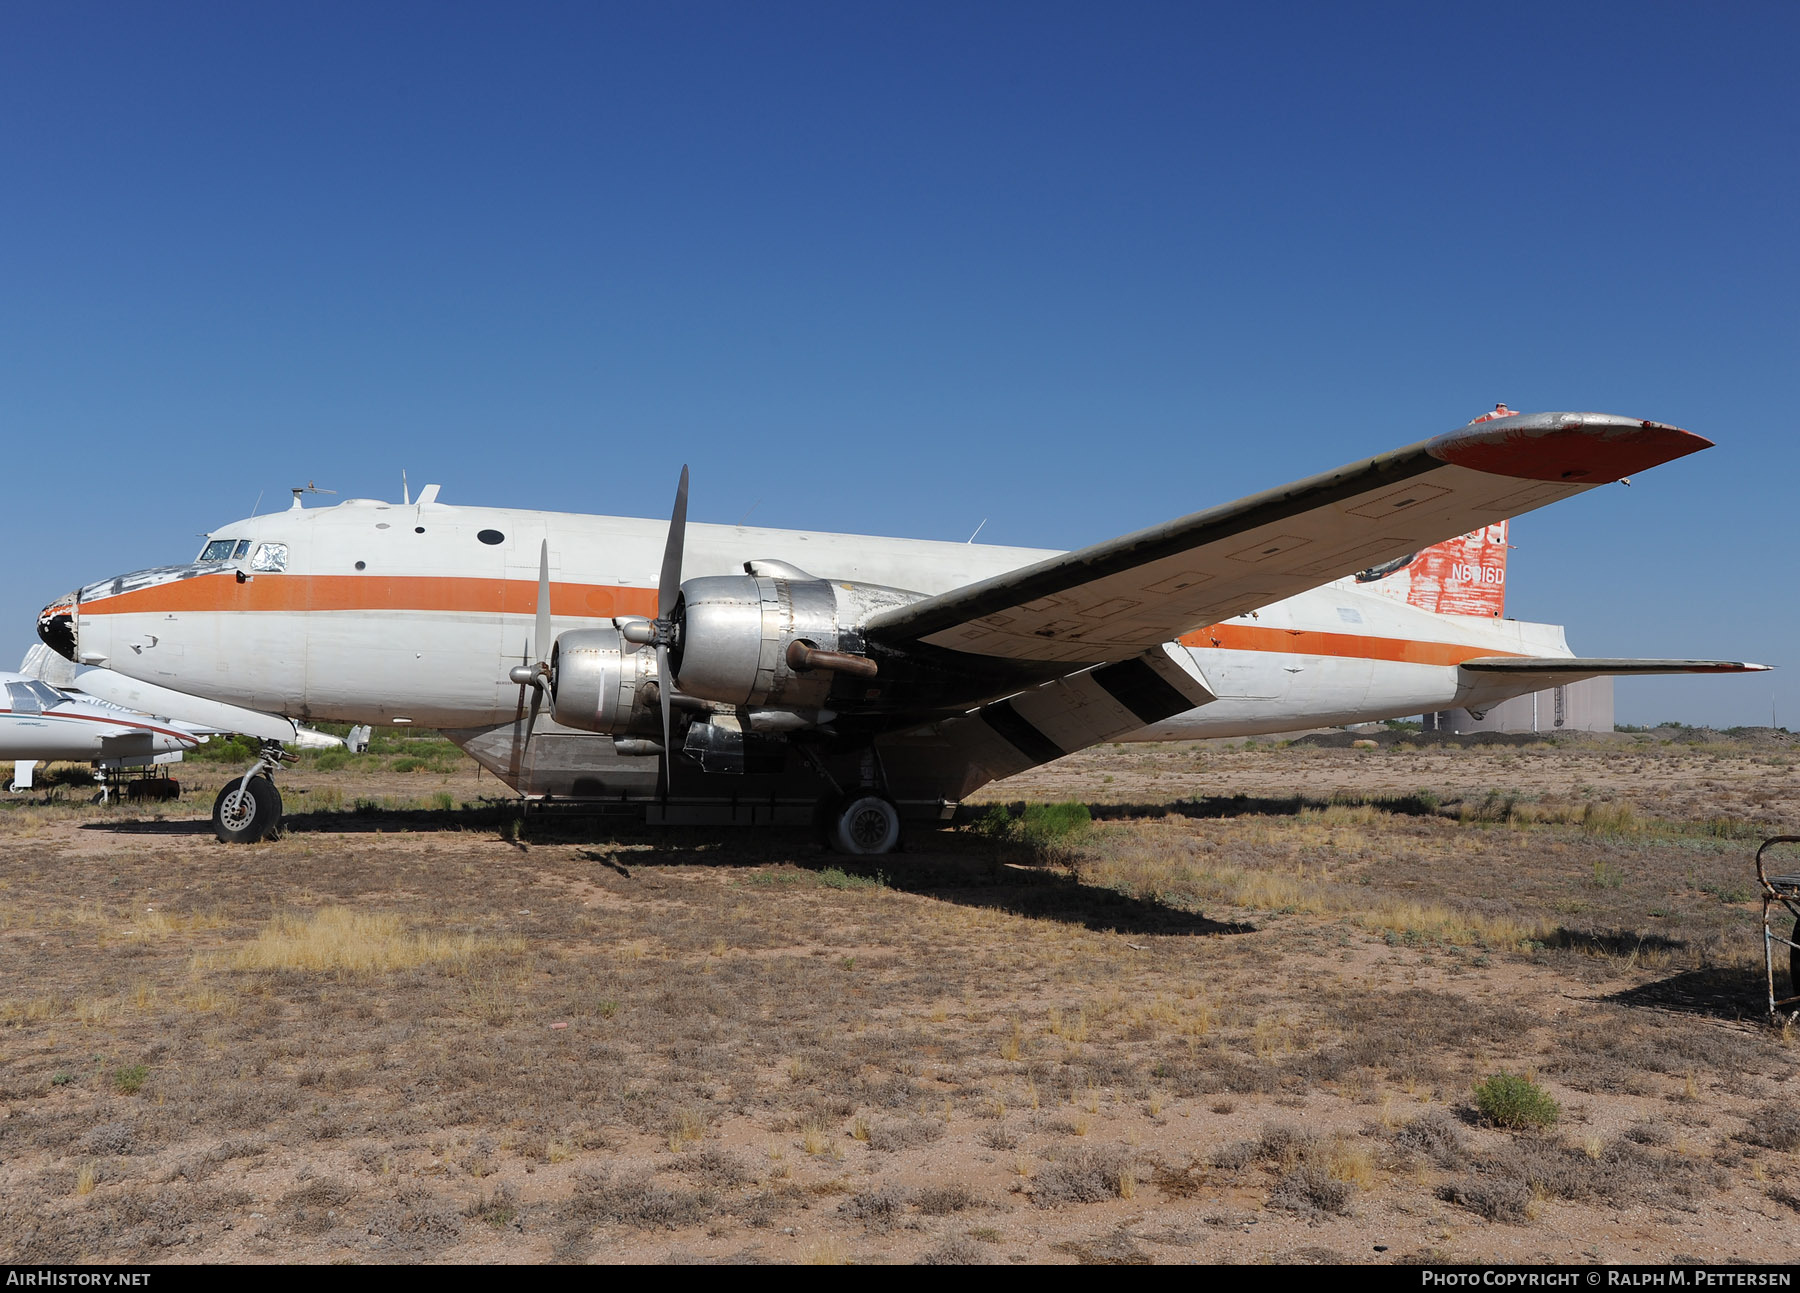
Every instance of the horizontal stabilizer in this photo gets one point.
(1598, 668)
(1541, 672)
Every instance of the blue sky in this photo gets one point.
(1072, 268)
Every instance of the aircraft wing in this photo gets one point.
(1559, 671)
(1119, 598)
(194, 713)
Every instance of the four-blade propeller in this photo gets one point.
(537, 676)
(663, 632)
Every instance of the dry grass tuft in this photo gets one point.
(359, 942)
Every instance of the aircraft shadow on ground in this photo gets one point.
(1718, 993)
(349, 821)
(1043, 893)
(1259, 806)
(948, 867)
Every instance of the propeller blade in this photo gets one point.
(662, 692)
(541, 647)
(670, 587)
(537, 702)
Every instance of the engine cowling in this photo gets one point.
(775, 637)
(602, 683)
(735, 634)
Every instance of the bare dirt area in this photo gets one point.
(1253, 1012)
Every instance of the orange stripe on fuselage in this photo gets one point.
(1251, 637)
(456, 595)
(447, 594)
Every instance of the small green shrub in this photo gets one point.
(1515, 1102)
(1607, 876)
(129, 1080)
(837, 878)
(1045, 825)
(223, 749)
(332, 760)
(1050, 831)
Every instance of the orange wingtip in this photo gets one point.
(1575, 448)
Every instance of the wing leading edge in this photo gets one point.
(1116, 599)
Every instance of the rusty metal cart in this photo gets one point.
(1785, 890)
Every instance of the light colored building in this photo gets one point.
(1579, 707)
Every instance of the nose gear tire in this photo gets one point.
(245, 819)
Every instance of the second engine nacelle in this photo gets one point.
(603, 683)
(772, 638)
(735, 633)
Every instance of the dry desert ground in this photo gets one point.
(1280, 1001)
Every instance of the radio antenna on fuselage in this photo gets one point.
(984, 521)
(405, 493)
(308, 488)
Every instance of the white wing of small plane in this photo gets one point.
(1116, 599)
(194, 713)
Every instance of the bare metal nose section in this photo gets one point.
(56, 625)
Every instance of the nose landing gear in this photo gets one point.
(249, 809)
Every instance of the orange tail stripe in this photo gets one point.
(1250, 637)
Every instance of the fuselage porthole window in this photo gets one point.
(270, 558)
(493, 538)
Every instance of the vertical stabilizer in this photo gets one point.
(1463, 576)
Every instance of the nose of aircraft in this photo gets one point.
(56, 626)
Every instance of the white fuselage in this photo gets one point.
(414, 614)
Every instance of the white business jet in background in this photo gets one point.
(41, 723)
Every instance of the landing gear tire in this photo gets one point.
(248, 817)
(864, 825)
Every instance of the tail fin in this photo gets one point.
(1463, 576)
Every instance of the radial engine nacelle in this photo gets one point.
(772, 638)
(602, 683)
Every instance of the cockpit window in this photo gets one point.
(270, 558)
(241, 551)
(47, 695)
(218, 550)
(30, 697)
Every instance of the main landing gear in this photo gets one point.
(249, 809)
(862, 823)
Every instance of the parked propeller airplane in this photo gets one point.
(773, 675)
